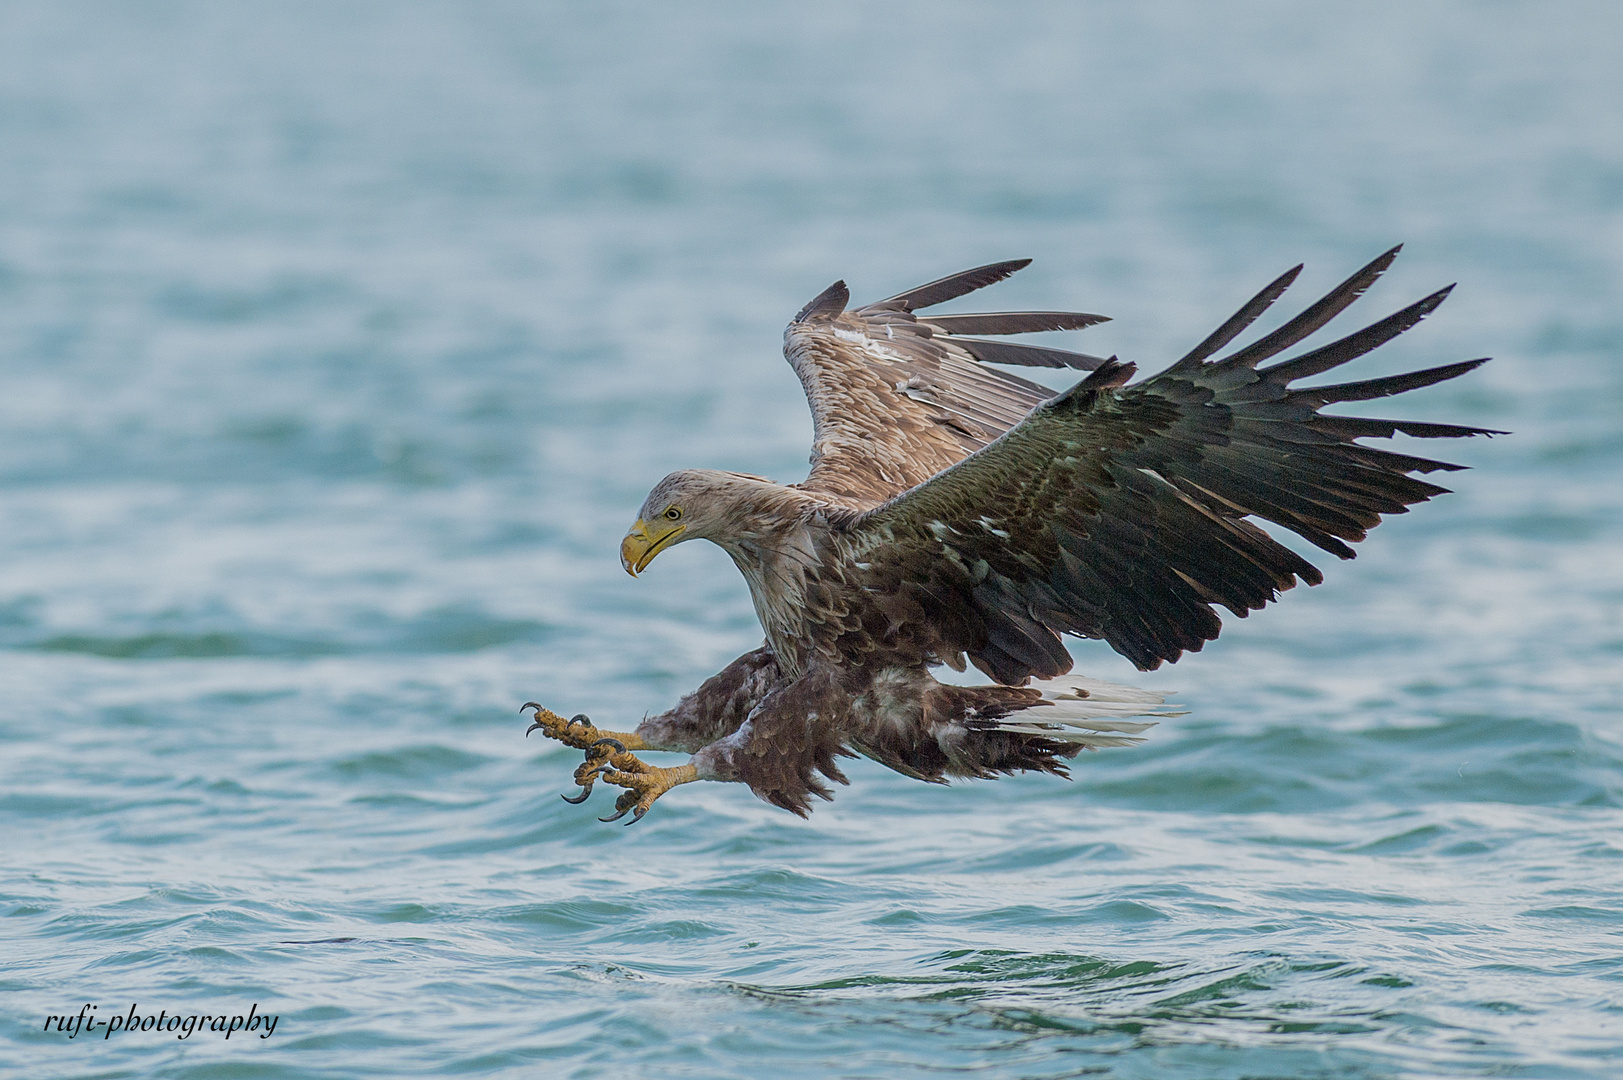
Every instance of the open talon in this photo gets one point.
(578, 730)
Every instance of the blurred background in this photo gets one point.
(340, 342)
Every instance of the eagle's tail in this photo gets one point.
(1086, 712)
(982, 731)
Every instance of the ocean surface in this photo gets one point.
(339, 343)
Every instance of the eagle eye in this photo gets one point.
(673, 513)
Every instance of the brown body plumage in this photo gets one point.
(956, 513)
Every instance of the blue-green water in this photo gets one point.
(339, 343)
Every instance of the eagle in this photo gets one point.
(958, 514)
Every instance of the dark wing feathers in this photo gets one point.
(1354, 427)
(1369, 389)
(826, 304)
(1333, 304)
(952, 286)
(1120, 512)
(896, 398)
(1239, 320)
(1007, 352)
(1011, 322)
(1353, 346)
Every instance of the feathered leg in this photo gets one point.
(793, 735)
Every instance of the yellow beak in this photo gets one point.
(644, 541)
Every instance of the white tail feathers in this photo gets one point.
(1076, 710)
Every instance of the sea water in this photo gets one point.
(340, 342)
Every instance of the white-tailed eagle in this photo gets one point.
(956, 513)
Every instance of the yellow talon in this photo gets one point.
(578, 732)
(643, 783)
(608, 754)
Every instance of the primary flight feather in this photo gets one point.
(956, 513)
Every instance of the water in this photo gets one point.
(341, 341)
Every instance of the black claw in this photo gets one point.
(586, 783)
(637, 816)
(578, 718)
(627, 800)
(530, 705)
(616, 743)
(532, 727)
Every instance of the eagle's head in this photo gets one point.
(693, 504)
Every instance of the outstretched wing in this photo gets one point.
(897, 397)
(1119, 512)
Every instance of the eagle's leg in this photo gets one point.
(716, 709)
(643, 783)
(580, 733)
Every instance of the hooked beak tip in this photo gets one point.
(631, 548)
(640, 546)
